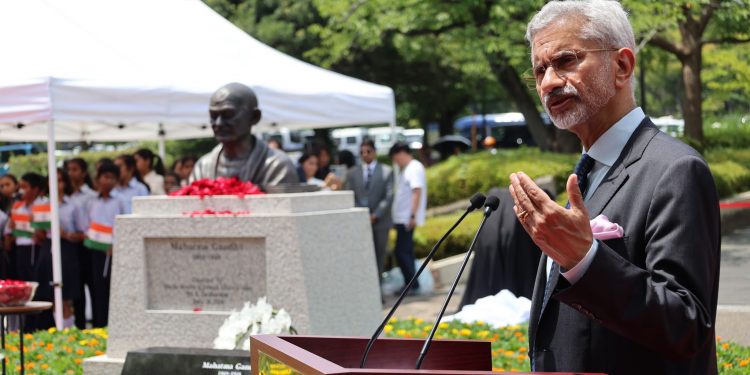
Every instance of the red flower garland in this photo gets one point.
(210, 212)
(221, 186)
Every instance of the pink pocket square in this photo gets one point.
(604, 229)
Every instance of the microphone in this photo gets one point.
(475, 202)
(490, 206)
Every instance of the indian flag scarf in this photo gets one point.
(98, 237)
(21, 221)
(41, 216)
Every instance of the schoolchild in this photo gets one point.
(99, 239)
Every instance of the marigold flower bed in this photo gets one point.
(55, 352)
(62, 352)
(510, 344)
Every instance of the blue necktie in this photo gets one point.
(583, 168)
(369, 177)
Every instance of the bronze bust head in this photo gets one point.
(234, 111)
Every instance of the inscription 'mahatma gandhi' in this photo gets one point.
(207, 273)
(191, 246)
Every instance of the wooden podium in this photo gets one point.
(308, 355)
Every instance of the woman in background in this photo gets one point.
(151, 168)
(308, 167)
(83, 193)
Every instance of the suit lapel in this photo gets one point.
(618, 174)
(358, 183)
(376, 178)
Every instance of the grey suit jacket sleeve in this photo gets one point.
(384, 205)
(667, 303)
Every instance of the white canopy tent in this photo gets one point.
(120, 70)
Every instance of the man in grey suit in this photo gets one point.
(638, 302)
(372, 183)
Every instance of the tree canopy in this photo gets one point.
(447, 59)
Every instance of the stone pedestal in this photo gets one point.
(177, 276)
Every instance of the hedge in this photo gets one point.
(38, 162)
(461, 176)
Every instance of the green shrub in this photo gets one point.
(731, 131)
(38, 162)
(730, 177)
(427, 235)
(737, 155)
(461, 176)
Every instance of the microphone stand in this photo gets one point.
(490, 206)
(476, 201)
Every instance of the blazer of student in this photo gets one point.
(647, 303)
(379, 197)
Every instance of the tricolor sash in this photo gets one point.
(21, 221)
(98, 237)
(41, 216)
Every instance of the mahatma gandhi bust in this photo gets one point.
(234, 111)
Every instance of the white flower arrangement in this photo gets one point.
(252, 320)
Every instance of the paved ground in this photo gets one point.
(733, 320)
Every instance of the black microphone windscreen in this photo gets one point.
(477, 201)
(492, 202)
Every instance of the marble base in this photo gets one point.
(175, 278)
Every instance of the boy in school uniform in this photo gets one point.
(101, 215)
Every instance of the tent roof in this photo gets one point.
(115, 69)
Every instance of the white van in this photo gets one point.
(384, 139)
(291, 140)
(349, 139)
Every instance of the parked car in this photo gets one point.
(670, 125)
(508, 129)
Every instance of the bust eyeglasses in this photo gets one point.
(562, 64)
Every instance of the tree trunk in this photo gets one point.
(691, 106)
(566, 141)
(511, 82)
(445, 123)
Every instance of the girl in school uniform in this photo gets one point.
(72, 228)
(131, 183)
(19, 232)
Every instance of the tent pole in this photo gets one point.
(162, 148)
(55, 224)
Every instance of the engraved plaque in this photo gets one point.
(214, 274)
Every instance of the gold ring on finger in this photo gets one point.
(522, 215)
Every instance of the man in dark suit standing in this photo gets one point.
(372, 183)
(643, 302)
